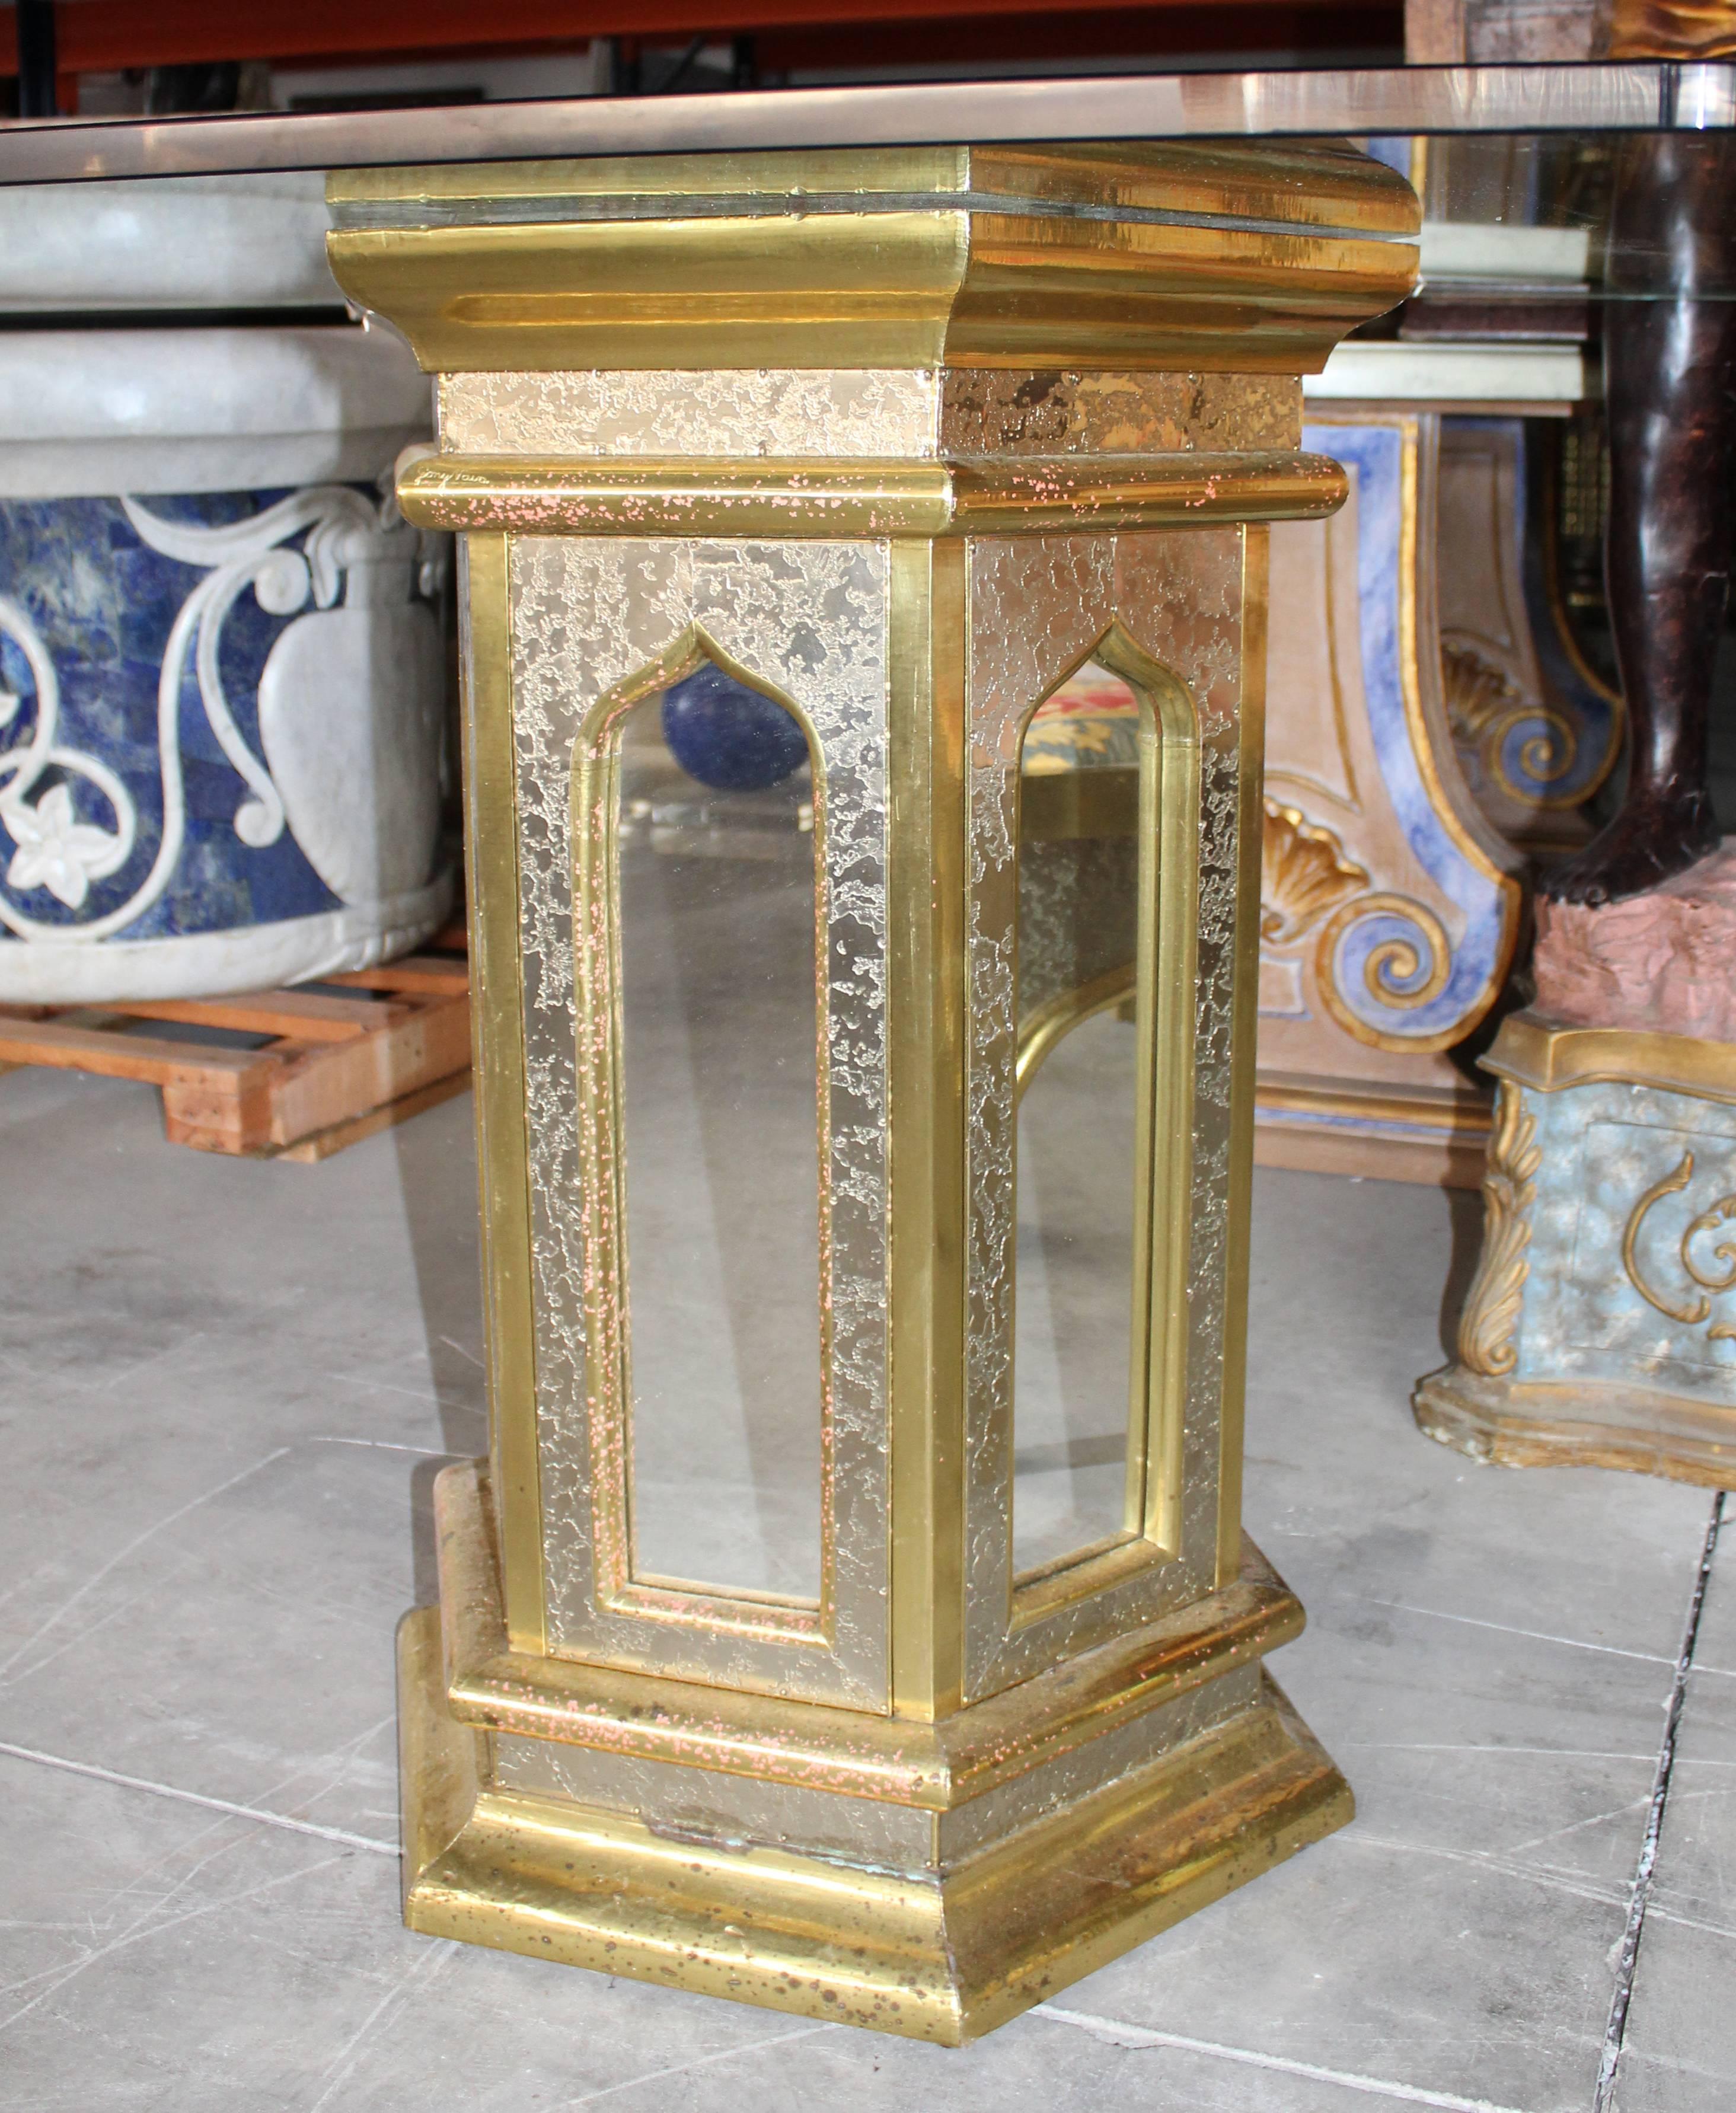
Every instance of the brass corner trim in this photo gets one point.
(503, 1167)
(926, 1004)
(932, 1764)
(983, 496)
(1549, 1056)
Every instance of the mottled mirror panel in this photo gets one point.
(600, 626)
(1076, 1344)
(721, 1118)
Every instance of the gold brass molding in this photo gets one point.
(945, 1956)
(934, 1764)
(968, 256)
(1305, 186)
(1029, 494)
(1508, 1190)
(1537, 1052)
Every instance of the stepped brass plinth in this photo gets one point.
(864, 641)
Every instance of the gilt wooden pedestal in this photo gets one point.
(900, 446)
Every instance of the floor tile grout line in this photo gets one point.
(121, 1554)
(1146, 2036)
(1628, 1959)
(1538, 1635)
(702, 2061)
(198, 1797)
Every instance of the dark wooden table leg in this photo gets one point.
(1669, 382)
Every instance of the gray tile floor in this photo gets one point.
(225, 1389)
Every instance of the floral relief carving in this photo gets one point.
(60, 853)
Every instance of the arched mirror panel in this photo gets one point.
(721, 1121)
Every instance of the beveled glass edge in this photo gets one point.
(1632, 96)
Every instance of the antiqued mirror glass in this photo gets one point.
(721, 1113)
(1086, 752)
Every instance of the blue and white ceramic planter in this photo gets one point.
(222, 680)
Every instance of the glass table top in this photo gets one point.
(1516, 165)
(1360, 102)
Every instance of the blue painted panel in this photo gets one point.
(1388, 945)
(102, 607)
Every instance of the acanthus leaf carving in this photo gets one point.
(1489, 1322)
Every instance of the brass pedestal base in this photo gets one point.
(1520, 1424)
(931, 1879)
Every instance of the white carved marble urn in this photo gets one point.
(222, 675)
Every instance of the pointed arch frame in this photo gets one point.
(1161, 978)
(598, 984)
(1178, 615)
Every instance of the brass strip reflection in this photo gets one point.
(925, 1074)
(1168, 958)
(1052, 1023)
(1162, 976)
(1243, 1037)
(497, 1016)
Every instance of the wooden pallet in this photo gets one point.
(347, 1055)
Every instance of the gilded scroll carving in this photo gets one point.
(1490, 716)
(1697, 1308)
(1381, 952)
(1487, 1327)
